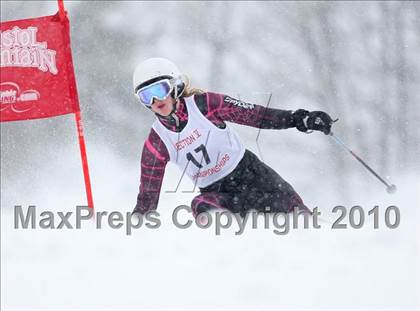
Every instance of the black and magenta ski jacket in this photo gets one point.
(217, 108)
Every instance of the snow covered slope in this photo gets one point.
(192, 269)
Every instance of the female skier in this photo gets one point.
(190, 131)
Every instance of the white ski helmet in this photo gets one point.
(152, 69)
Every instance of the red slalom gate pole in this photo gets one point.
(79, 126)
(61, 8)
(84, 158)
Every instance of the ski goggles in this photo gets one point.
(159, 90)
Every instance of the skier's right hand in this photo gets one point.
(319, 121)
(314, 120)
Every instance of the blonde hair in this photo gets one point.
(188, 90)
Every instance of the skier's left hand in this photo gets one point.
(319, 121)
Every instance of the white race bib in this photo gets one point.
(205, 152)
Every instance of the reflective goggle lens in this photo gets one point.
(159, 90)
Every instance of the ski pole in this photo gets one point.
(390, 188)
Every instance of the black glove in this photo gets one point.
(319, 121)
(315, 120)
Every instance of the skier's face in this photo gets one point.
(163, 107)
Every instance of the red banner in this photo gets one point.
(37, 77)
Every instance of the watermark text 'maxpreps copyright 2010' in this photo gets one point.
(182, 218)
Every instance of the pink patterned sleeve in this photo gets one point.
(226, 108)
(154, 158)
